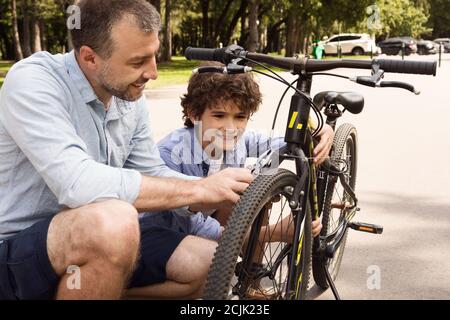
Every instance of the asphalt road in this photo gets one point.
(403, 181)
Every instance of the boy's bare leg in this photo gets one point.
(222, 215)
(186, 271)
(102, 240)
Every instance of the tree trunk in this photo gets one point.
(43, 35)
(219, 22)
(300, 36)
(26, 41)
(16, 37)
(244, 32)
(290, 34)
(240, 14)
(253, 41)
(273, 36)
(3, 42)
(167, 42)
(205, 22)
(36, 35)
(156, 4)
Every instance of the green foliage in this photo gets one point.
(402, 18)
(226, 21)
(440, 18)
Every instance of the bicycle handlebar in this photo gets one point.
(228, 54)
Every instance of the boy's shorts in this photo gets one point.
(194, 224)
(26, 271)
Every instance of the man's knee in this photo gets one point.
(115, 231)
(107, 230)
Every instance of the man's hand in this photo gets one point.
(222, 189)
(322, 150)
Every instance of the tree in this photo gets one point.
(16, 37)
(27, 26)
(205, 22)
(401, 18)
(26, 40)
(167, 42)
(35, 28)
(440, 18)
(253, 40)
(156, 4)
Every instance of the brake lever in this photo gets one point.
(263, 161)
(398, 84)
(371, 81)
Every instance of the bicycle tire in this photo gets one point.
(345, 136)
(260, 192)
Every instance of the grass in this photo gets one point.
(4, 67)
(175, 72)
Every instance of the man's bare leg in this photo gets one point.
(102, 240)
(186, 271)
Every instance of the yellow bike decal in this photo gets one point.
(293, 120)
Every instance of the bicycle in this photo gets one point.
(247, 264)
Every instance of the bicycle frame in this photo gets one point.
(299, 147)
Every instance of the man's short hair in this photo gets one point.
(206, 90)
(99, 16)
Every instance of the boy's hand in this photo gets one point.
(316, 227)
(222, 189)
(322, 150)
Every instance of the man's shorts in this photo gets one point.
(26, 271)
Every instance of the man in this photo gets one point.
(77, 164)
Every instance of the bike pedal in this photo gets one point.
(366, 227)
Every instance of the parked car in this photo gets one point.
(394, 46)
(427, 47)
(350, 43)
(445, 42)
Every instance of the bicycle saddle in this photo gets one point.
(352, 101)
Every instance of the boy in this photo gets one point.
(216, 110)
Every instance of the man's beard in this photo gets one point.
(115, 89)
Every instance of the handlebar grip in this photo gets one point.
(204, 54)
(414, 67)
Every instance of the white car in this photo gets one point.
(350, 43)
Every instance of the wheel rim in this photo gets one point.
(274, 252)
(341, 199)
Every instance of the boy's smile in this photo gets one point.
(222, 126)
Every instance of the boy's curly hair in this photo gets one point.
(206, 90)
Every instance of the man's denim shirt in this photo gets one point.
(60, 149)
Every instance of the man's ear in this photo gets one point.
(89, 58)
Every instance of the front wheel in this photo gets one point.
(254, 255)
(337, 201)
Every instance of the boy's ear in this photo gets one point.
(193, 118)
